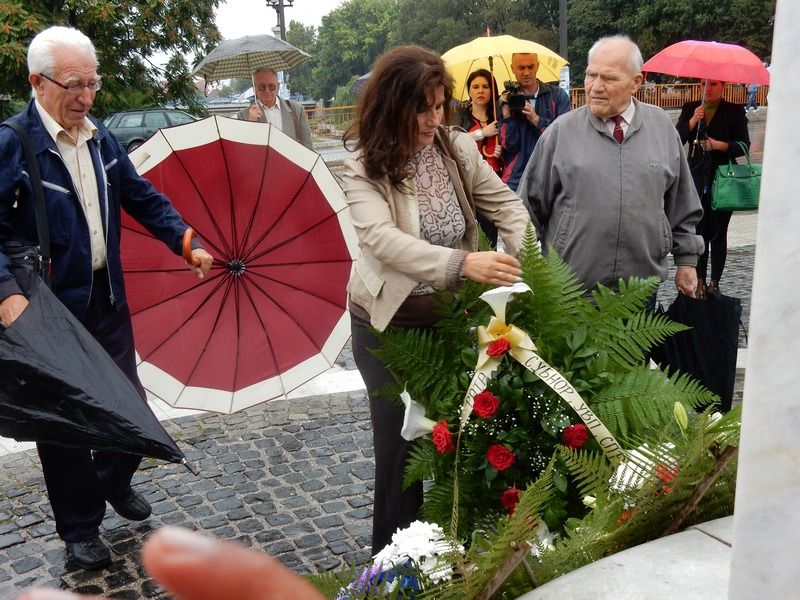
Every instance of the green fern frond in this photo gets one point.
(421, 463)
(417, 359)
(438, 504)
(554, 306)
(628, 340)
(485, 558)
(590, 469)
(330, 583)
(640, 400)
(632, 297)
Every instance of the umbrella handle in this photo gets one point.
(187, 248)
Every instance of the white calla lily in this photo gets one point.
(498, 297)
(415, 423)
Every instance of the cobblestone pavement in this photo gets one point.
(291, 478)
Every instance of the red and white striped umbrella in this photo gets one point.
(271, 314)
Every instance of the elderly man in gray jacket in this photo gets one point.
(609, 184)
(269, 107)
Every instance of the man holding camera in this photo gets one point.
(528, 108)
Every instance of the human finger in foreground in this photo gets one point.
(191, 566)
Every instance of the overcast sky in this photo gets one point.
(236, 18)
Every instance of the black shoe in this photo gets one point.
(89, 554)
(132, 506)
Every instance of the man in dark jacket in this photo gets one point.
(87, 178)
(520, 130)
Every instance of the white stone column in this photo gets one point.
(766, 536)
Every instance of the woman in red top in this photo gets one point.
(479, 118)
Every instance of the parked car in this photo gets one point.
(133, 127)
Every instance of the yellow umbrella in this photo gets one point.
(464, 59)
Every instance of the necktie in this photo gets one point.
(618, 133)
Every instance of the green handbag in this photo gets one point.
(736, 186)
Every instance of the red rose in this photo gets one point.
(485, 404)
(442, 437)
(498, 347)
(626, 514)
(575, 436)
(509, 499)
(666, 475)
(500, 457)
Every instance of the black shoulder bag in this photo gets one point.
(30, 262)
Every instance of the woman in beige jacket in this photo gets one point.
(413, 188)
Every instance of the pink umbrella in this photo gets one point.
(709, 60)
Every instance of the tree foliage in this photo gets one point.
(130, 37)
(657, 24)
(350, 38)
(304, 38)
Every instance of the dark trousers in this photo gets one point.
(78, 480)
(714, 229)
(393, 508)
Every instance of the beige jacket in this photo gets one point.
(393, 258)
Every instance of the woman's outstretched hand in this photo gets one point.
(494, 268)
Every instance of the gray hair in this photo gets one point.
(635, 60)
(41, 52)
(265, 70)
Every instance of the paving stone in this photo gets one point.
(28, 520)
(189, 501)
(10, 539)
(309, 541)
(237, 515)
(329, 521)
(26, 549)
(164, 507)
(227, 504)
(310, 486)
(279, 519)
(8, 527)
(27, 564)
(213, 522)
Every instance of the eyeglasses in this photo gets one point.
(76, 87)
(272, 87)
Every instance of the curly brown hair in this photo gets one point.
(402, 84)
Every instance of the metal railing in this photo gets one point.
(332, 122)
(673, 95)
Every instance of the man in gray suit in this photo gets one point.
(284, 114)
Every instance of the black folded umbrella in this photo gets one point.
(708, 350)
(58, 385)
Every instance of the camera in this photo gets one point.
(515, 98)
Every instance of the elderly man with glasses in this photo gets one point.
(269, 107)
(87, 180)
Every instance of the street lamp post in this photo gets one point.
(279, 5)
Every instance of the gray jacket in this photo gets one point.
(293, 118)
(614, 210)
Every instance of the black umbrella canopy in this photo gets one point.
(58, 385)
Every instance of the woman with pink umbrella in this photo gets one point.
(713, 128)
